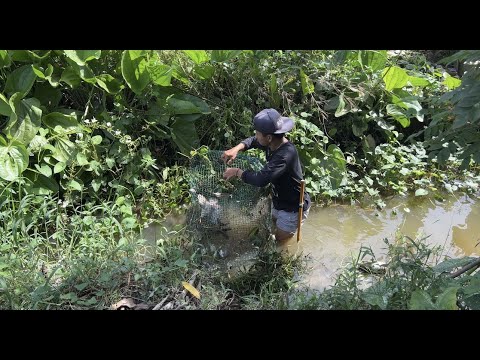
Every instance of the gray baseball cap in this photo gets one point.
(269, 121)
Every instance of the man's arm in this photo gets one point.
(250, 143)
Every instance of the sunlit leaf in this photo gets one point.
(191, 289)
(394, 77)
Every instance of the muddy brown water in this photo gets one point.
(332, 235)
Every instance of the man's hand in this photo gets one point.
(229, 155)
(230, 173)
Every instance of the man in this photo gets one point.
(283, 170)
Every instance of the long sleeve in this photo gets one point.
(252, 143)
(272, 171)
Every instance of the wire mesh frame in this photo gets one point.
(226, 214)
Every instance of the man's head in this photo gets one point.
(269, 121)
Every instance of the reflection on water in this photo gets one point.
(333, 234)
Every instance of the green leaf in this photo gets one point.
(421, 192)
(110, 162)
(177, 106)
(83, 71)
(59, 167)
(473, 302)
(13, 159)
(341, 107)
(44, 169)
(20, 80)
(82, 56)
(307, 85)
(134, 70)
(451, 82)
(41, 184)
(67, 123)
(375, 59)
(359, 127)
(82, 159)
(24, 123)
(47, 95)
(96, 183)
(420, 300)
(398, 114)
(198, 56)
(5, 60)
(64, 150)
(5, 108)
(377, 295)
(184, 135)
(418, 81)
(451, 264)
(472, 288)
(204, 71)
(443, 155)
(109, 83)
(447, 300)
(73, 184)
(394, 77)
(199, 103)
(96, 140)
(224, 55)
(160, 74)
(71, 77)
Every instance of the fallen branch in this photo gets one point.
(474, 264)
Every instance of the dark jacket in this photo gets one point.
(283, 170)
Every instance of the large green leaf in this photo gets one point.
(71, 77)
(198, 56)
(375, 59)
(398, 114)
(447, 300)
(411, 104)
(341, 110)
(64, 150)
(394, 77)
(5, 108)
(61, 123)
(5, 60)
(187, 104)
(452, 264)
(420, 300)
(109, 83)
(307, 85)
(157, 114)
(451, 82)
(47, 95)
(204, 71)
(20, 80)
(24, 123)
(83, 71)
(134, 70)
(184, 135)
(473, 302)
(443, 155)
(160, 74)
(418, 81)
(82, 56)
(40, 184)
(224, 55)
(13, 159)
(199, 103)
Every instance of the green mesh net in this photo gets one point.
(229, 217)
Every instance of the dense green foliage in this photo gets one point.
(94, 145)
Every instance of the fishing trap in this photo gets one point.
(228, 217)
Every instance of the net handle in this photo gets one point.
(300, 209)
